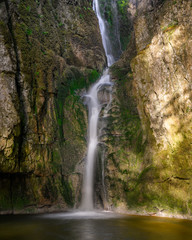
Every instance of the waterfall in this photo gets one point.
(105, 38)
(94, 108)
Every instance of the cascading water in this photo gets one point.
(94, 108)
(105, 38)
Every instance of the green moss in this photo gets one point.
(59, 105)
(93, 75)
(164, 187)
(5, 201)
(77, 80)
(143, 175)
(72, 81)
(20, 202)
(129, 123)
(49, 190)
(53, 84)
(67, 192)
(56, 161)
(154, 201)
(29, 32)
(170, 26)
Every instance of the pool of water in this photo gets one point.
(93, 226)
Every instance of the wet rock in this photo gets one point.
(50, 52)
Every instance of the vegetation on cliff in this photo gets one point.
(156, 177)
(51, 51)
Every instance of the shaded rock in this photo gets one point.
(50, 51)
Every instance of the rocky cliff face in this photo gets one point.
(50, 51)
(149, 139)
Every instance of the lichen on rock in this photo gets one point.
(50, 51)
(157, 178)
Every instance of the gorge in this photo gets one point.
(51, 53)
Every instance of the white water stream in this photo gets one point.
(105, 37)
(94, 108)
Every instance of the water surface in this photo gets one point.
(93, 226)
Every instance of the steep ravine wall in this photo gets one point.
(149, 157)
(50, 51)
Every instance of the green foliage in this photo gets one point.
(29, 32)
(28, 8)
(93, 75)
(122, 5)
(77, 80)
(60, 24)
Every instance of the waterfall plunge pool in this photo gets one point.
(93, 226)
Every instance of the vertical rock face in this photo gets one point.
(162, 72)
(151, 112)
(50, 51)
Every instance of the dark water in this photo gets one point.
(100, 226)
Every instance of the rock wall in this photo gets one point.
(50, 51)
(149, 141)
